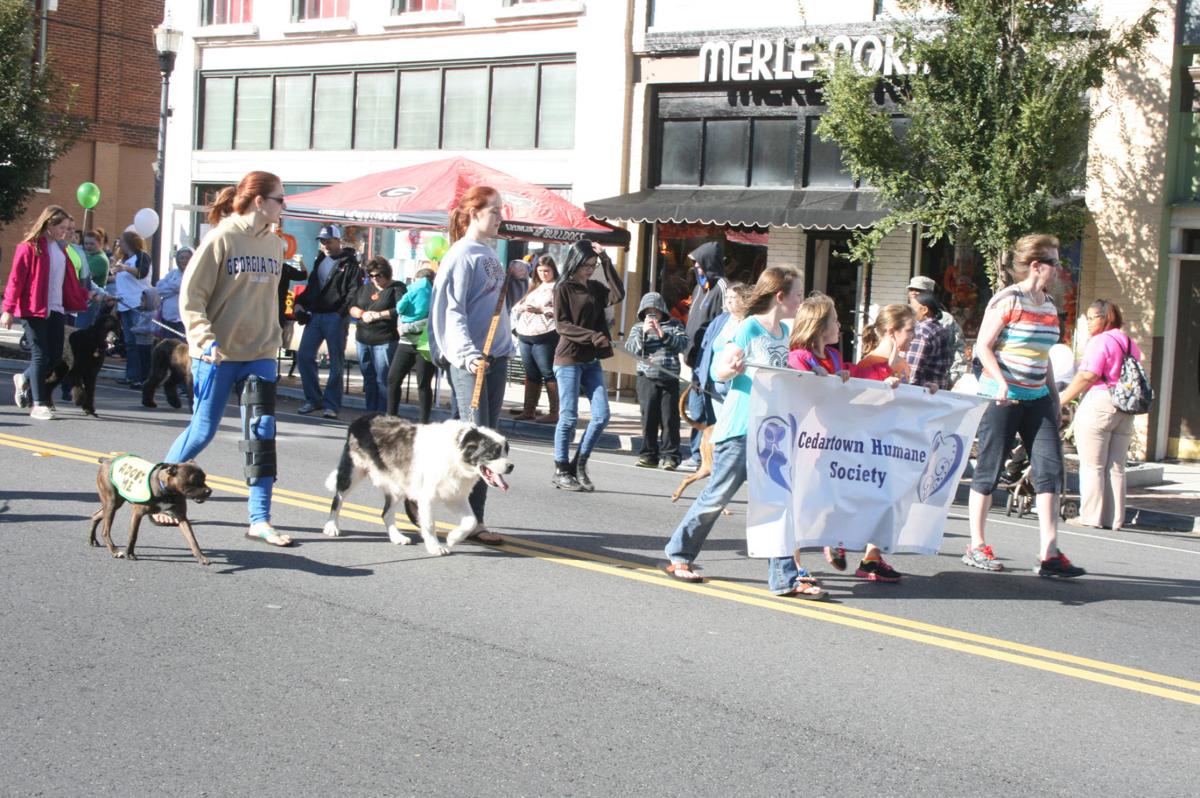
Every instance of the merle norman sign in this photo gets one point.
(799, 58)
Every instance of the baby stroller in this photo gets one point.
(1017, 479)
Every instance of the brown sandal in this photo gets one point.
(808, 588)
(683, 572)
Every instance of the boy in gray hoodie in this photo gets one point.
(657, 341)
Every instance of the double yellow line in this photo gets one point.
(1043, 659)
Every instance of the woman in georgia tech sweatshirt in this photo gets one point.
(229, 304)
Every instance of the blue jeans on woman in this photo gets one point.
(537, 356)
(137, 355)
(45, 351)
(729, 473)
(374, 360)
(213, 384)
(491, 399)
(588, 379)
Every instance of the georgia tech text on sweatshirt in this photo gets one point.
(252, 264)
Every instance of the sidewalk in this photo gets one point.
(1170, 502)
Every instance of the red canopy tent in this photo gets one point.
(422, 196)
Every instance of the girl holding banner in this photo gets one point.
(885, 343)
(761, 338)
(1018, 329)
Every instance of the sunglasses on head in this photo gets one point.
(1051, 262)
(374, 274)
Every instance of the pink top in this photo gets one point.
(27, 294)
(1103, 355)
(804, 360)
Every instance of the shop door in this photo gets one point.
(833, 272)
(1184, 421)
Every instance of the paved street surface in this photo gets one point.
(562, 662)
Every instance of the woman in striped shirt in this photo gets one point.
(1018, 329)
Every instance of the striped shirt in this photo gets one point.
(1023, 346)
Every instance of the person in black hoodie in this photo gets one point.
(708, 302)
(583, 341)
(332, 285)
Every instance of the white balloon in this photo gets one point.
(145, 222)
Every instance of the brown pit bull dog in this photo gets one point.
(150, 488)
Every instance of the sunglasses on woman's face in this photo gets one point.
(373, 275)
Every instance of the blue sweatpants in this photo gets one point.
(213, 384)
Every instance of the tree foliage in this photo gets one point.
(36, 127)
(998, 124)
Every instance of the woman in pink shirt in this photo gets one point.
(1102, 433)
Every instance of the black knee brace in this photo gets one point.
(258, 428)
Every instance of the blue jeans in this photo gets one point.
(330, 328)
(537, 356)
(45, 351)
(587, 378)
(374, 360)
(212, 387)
(137, 355)
(491, 399)
(729, 473)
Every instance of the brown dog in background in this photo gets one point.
(170, 366)
(171, 485)
(706, 446)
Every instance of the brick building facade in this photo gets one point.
(105, 50)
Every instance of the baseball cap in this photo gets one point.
(922, 283)
(329, 231)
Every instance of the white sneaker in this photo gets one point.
(329, 414)
(41, 413)
(306, 408)
(688, 466)
(21, 396)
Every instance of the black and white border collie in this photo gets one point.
(419, 464)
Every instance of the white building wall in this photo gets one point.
(478, 29)
(893, 267)
(787, 247)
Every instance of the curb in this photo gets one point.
(1134, 516)
(529, 430)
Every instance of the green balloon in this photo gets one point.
(435, 247)
(88, 195)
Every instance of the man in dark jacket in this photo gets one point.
(332, 284)
(708, 302)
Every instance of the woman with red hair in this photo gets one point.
(466, 294)
(229, 301)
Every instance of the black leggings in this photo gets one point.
(1036, 422)
(46, 349)
(406, 359)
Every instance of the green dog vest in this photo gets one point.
(130, 475)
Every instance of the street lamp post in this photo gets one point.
(166, 42)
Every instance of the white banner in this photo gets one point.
(832, 463)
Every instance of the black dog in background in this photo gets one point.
(87, 348)
(170, 366)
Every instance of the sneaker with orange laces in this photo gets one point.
(1058, 566)
(982, 558)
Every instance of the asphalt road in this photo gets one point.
(562, 662)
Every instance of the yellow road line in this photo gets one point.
(1062, 663)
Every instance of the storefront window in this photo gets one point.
(823, 167)
(513, 116)
(556, 113)
(960, 272)
(375, 118)
(681, 153)
(466, 109)
(333, 111)
(217, 131)
(726, 152)
(253, 123)
(420, 96)
(293, 112)
(672, 276)
(773, 156)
